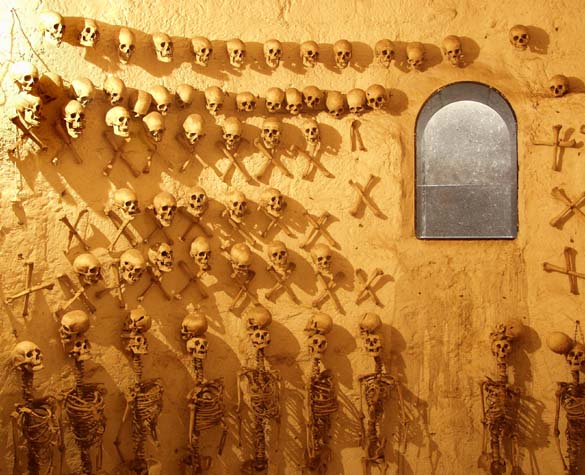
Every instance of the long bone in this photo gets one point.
(365, 198)
(183, 141)
(573, 207)
(121, 230)
(233, 163)
(317, 227)
(366, 285)
(193, 222)
(67, 142)
(81, 213)
(154, 280)
(557, 146)
(78, 294)
(275, 221)
(122, 227)
(152, 148)
(239, 228)
(281, 283)
(73, 229)
(29, 289)
(118, 287)
(28, 133)
(194, 279)
(270, 159)
(355, 136)
(569, 270)
(243, 291)
(329, 286)
(311, 161)
(157, 227)
(118, 154)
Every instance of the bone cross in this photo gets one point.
(180, 137)
(558, 145)
(234, 163)
(155, 279)
(282, 282)
(573, 207)
(270, 159)
(312, 161)
(194, 279)
(366, 284)
(194, 222)
(569, 269)
(118, 149)
(363, 197)
(77, 294)
(73, 232)
(317, 227)
(29, 289)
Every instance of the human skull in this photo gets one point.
(198, 202)
(214, 99)
(311, 131)
(322, 256)
(126, 201)
(245, 101)
(317, 345)
(415, 54)
(384, 50)
(335, 103)
(162, 97)
(74, 117)
(356, 100)
(319, 323)
(370, 322)
(200, 251)
(202, 50)
(294, 100)
(115, 89)
(139, 103)
(126, 45)
(88, 268)
(452, 50)
(160, 256)
(272, 53)
(342, 50)
(29, 108)
(270, 134)
(138, 320)
(27, 356)
(519, 37)
(50, 87)
(260, 338)
(372, 344)
(52, 26)
(241, 260)
(197, 347)
(118, 118)
(78, 348)
(309, 53)
(154, 123)
(278, 256)
(501, 349)
(272, 201)
(82, 90)
(163, 46)
(73, 323)
(236, 50)
(194, 324)
(313, 97)
(90, 34)
(376, 96)
(165, 207)
(132, 266)
(25, 75)
(232, 133)
(193, 128)
(257, 317)
(274, 99)
(236, 205)
(558, 85)
(184, 95)
(576, 357)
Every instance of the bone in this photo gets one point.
(233, 163)
(27, 133)
(356, 137)
(281, 283)
(312, 162)
(73, 231)
(363, 197)
(570, 255)
(28, 284)
(556, 144)
(367, 284)
(194, 279)
(330, 285)
(119, 223)
(269, 160)
(193, 222)
(67, 142)
(77, 294)
(318, 227)
(29, 289)
(573, 207)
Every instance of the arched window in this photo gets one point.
(466, 165)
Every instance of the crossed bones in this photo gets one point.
(569, 270)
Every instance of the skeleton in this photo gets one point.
(50, 87)
(90, 34)
(342, 50)
(309, 51)
(122, 212)
(240, 258)
(88, 269)
(70, 128)
(82, 90)
(259, 388)
(245, 101)
(519, 37)
(202, 49)
(272, 53)
(558, 85)
(558, 146)
(118, 118)
(115, 90)
(236, 50)
(144, 398)
(272, 204)
(200, 251)
(322, 258)
(184, 95)
(313, 97)
(236, 207)
(128, 271)
(160, 262)
(335, 104)
(274, 99)
(163, 47)
(25, 75)
(26, 117)
(29, 289)
(415, 54)
(375, 388)
(214, 99)
(280, 268)
(501, 400)
(126, 45)
(384, 51)
(52, 27)
(190, 137)
(196, 207)
(35, 422)
(269, 141)
(452, 50)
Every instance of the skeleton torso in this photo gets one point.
(572, 399)
(502, 402)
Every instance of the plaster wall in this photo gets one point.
(440, 298)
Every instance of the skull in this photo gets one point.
(274, 99)
(558, 85)
(114, 88)
(356, 100)
(194, 324)
(501, 349)
(236, 205)
(452, 50)
(154, 123)
(311, 131)
(126, 201)
(317, 345)
(232, 133)
(415, 53)
(370, 322)
(576, 357)
(335, 104)
(163, 46)
(88, 268)
(165, 207)
(278, 256)
(313, 97)
(245, 101)
(241, 260)
(162, 98)
(193, 128)
(73, 324)
(273, 53)
(82, 89)
(27, 356)
(519, 37)
(139, 103)
(138, 320)
(236, 50)
(184, 95)
(214, 99)
(342, 50)
(90, 34)
(52, 27)
(197, 347)
(29, 108)
(198, 202)
(74, 117)
(200, 251)
(319, 323)
(309, 53)
(50, 87)
(160, 256)
(257, 318)
(384, 51)
(260, 338)
(24, 75)
(78, 349)
(132, 266)
(271, 133)
(118, 118)
(126, 45)
(272, 201)
(376, 96)
(202, 49)
(322, 256)
(294, 100)
(372, 344)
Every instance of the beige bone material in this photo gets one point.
(194, 280)
(557, 146)
(569, 270)
(365, 198)
(366, 285)
(29, 289)
(270, 159)
(573, 207)
(317, 227)
(73, 232)
(233, 162)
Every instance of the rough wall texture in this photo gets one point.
(442, 297)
